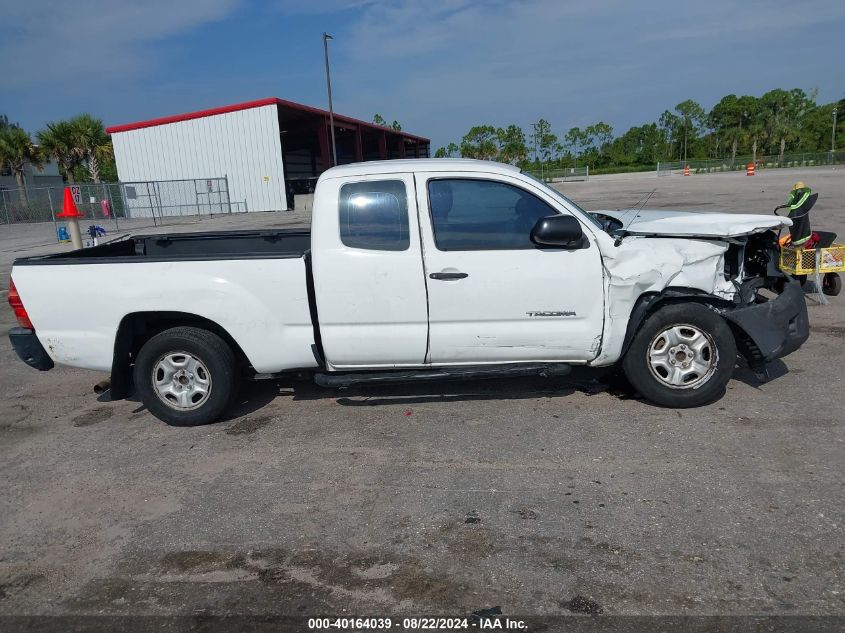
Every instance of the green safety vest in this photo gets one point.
(797, 198)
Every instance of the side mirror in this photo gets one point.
(560, 231)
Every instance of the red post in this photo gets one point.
(382, 146)
(359, 146)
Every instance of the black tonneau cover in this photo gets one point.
(261, 244)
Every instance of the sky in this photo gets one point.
(438, 67)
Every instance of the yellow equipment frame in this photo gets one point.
(798, 261)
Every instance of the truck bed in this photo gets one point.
(254, 285)
(258, 244)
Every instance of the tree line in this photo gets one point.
(79, 146)
(380, 120)
(780, 121)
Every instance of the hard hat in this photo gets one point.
(799, 185)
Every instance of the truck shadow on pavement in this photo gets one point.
(774, 370)
(258, 394)
(454, 391)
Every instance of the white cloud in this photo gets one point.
(320, 6)
(450, 64)
(726, 20)
(438, 66)
(95, 40)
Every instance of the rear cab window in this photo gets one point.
(373, 215)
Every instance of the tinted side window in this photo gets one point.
(471, 215)
(374, 215)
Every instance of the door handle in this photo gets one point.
(448, 276)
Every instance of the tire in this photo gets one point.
(185, 376)
(702, 347)
(831, 284)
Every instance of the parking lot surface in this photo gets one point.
(538, 496)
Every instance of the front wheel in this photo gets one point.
(683, 356)
(185, 376)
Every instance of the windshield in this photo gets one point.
(566, 201)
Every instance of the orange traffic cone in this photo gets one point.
(69, 209)
(71, 213)
(686, 170)
(749, 169)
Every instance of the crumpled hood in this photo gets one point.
(695, 223)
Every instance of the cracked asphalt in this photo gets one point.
(539, 496)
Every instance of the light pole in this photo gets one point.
(326, 38)
(833, 134)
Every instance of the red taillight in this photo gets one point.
(17, 307)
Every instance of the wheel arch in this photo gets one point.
(649, 302)
(137, 328)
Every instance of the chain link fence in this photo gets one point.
(109, 204)
(559, 174)
(806, 159)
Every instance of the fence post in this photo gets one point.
(110, 198)
(158, 201)
(121, 188)
(197, 199)
(228, 195)
(53, 214)
(150, 200)
(5, 206)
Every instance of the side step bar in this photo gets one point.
(511, 370)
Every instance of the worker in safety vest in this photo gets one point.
(799, 212)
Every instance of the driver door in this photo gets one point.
(493, 296)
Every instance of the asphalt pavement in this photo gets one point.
(537, 496)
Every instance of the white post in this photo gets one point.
(73, 229)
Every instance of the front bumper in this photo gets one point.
(29, 348)
(777, 327)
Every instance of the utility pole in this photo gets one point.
(326, 38)
(833, 134)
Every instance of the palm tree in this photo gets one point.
(58, 141)
(91, 142)
(16, 150)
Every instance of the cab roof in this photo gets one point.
(414, 165)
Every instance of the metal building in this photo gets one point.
(267, 149)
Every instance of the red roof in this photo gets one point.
(246, 105)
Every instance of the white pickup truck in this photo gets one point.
(417, 270)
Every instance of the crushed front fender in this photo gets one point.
(776, 327)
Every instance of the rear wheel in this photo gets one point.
(831, 284)
(185, 376)
(683, 356)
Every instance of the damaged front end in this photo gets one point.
(737, 276)
(769, 317)
(772, 328)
